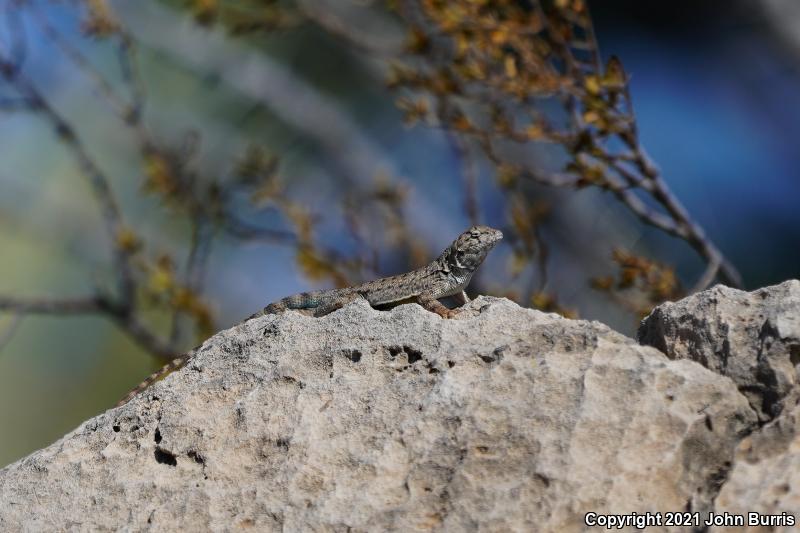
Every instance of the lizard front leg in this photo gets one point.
(461, 298)
(435, 306)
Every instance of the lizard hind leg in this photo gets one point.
(336, 303)
(300, 302)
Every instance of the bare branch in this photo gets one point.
(711, 271)
(91, 305)
(365, 29)
(259, 77)
(97, 180)
(51, 306)
(143, 336)
(553, 81)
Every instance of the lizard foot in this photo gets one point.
(451, 313)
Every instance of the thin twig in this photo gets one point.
(469, 177)
(469, 171)
(144, 337)
(246, 231)
(11, 329)
(18, 48)
(130, 74)
(15, 104)
(357, 26)
(72, 53)
(194, 274)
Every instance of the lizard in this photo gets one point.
(447, 275)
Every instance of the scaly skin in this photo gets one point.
(447, 275)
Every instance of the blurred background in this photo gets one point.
(168, 167)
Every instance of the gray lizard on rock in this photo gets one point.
(447, 275)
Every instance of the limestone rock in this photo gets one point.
(765, 478)
(753, 338)
(502, 419)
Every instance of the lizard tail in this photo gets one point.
(271, 309)
(172, 366)
(304, 300)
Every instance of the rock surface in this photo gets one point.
(502, 419)
(753, 338)
(766, 475)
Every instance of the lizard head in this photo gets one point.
(470, 249)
